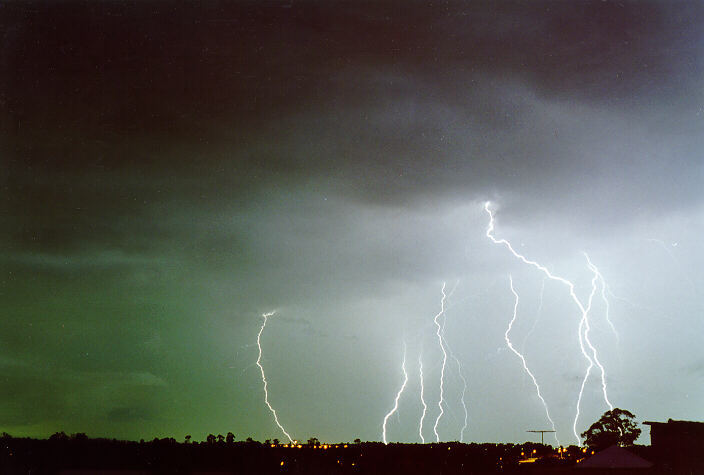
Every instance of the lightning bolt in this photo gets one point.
(459, 367)
(626, 301)
(584, 321)
(597, 276)
(604, 290)
(584, 335)
(422, 399)
(607, 306)
(464, 390)
(398, 395)
(444, 362)
(535, 322)
(523, 360)
(265, 316)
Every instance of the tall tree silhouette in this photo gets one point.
(613, 427)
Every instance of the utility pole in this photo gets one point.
(542, 434)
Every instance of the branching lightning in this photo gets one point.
(265, 316)
(398, 395)
(584, 321)
(444, 362)
(523, 360)
(422, 399)
(440, 334)
(597, 276)
(464, 389)
(583, 335)
(459, 368)
(537, 317)
(604, 290)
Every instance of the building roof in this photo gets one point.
(677, 424)
(615, 457)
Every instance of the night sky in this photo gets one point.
(171, 171)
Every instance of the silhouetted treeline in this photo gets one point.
(220, 454)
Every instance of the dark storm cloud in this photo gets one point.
(95, 88)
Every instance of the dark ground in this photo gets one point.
(79, 454)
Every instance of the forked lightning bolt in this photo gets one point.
(398, 396)
(459, 369)
(597, 276)
(604, 290)
(584, 329)
(535, 322)
(523, 360)
(265, 316)
(464, 389)
(584, 321)
(444, 362)
(583, 335)
(422, 399)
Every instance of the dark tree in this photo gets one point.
(357, 441)
(313, 441)
(221, 438)
(230, 438)
(59, 436)
(276, 441)
(188, 438)
(210, 439)
(614, 427)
